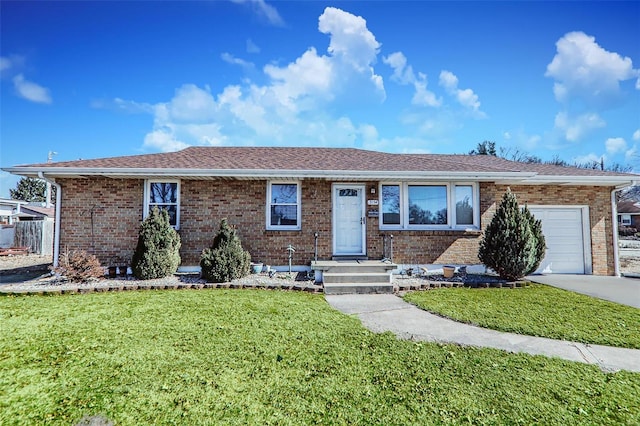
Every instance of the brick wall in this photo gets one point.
(103, 216)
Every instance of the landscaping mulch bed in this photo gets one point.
(430, 281)
(55, 285)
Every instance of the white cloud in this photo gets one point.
(404, 75)
(588, 158)
(636, 135)
(11, 64)
(309, 75)
(264, 11)
(5, 63)
(422, 96)
(584, 70)
(163, 140)
(252, 47)
(465, 97)
(31, 91)
(575, 128)
(351, 42)
(230, 59)
(615, 145)
(631, 153)
(449, 81)
(293, 106)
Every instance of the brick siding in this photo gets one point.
(103, 216)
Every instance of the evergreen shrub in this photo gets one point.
(513, 244)
(225, 260)
(157, 253)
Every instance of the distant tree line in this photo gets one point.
(515, 154)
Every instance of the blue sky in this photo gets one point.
(99, 79)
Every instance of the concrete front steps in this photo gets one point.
(354, 276)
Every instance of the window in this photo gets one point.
(164, 195)
(283, 206)
(429, 206)
(390, 204)
(626, 219)
(464, 205)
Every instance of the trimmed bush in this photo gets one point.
(627, 231)
(79, 266)
(513, 244)
(225, 260)
(157, 253)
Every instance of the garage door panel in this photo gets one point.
(563, 230)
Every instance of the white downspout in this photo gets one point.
(56, 232)
(614, 217)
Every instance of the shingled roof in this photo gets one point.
(300, 162)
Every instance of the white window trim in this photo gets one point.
(451, 206)
(147, 190)
(271, 227)
(381, 212)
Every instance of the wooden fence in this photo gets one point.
(36, 234)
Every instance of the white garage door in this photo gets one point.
(564, 232)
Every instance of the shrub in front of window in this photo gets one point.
(157, 253)
(627, 231)
(513, 244)
(79, 266)
(225, 260)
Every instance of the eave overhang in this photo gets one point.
(511, 178)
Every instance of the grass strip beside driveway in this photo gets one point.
(537, 310)
(270, 357)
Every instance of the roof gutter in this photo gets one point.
(614, 223)
(267, 173)
(56, 232)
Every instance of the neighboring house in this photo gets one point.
(35, 212)
(430, 208)
(8, 208)
(629, 214)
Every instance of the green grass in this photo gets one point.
(268, 357)
(538, 310)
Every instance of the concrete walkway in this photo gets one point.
(621, 290)
(385, 312)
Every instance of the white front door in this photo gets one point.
(349, 220)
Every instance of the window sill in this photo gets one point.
(466, 231)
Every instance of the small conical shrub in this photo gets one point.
(513, 244)
(157, 253)
(225, 260)
(541, 244)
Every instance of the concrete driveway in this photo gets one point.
(625, 291)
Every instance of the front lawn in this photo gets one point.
(270, 357)
(538, 310)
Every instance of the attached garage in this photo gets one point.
(566, 231)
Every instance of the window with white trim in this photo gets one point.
(625, 219)
(283, 206)
(450, 205)
(164, 195)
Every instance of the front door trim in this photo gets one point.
(362, 251)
